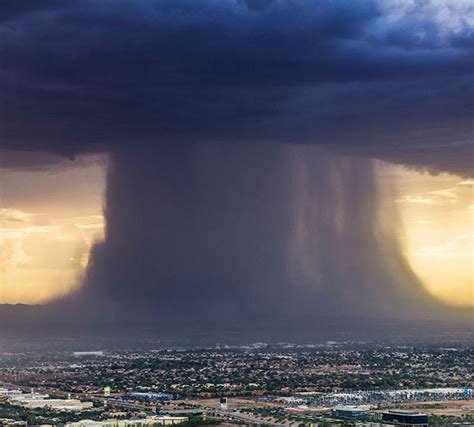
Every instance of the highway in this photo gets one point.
(124, 404)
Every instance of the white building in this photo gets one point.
(10, 422)
(35, 400)
(150, 421)
(19, 398)
(57, 404)
(88, 353)
(6, 393)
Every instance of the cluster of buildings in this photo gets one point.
(42, 401)
(149, 421)
(257, 370)
(10, 422)
(389, 417)
(362, 397)
(152, 396)
(280, 383)
(34, 400)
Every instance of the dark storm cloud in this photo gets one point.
(369, 78)
(14, 9)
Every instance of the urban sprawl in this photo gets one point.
(335, 383)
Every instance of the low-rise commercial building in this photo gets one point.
(19, 397)
(72, 405)
(150, 421)
(6, 393)
(88, 353)
(35, 401)
(10, 422)
(405, 418)
(350, 412)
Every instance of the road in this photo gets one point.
(124, 404)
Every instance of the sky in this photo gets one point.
(48, 230)
(49, 222)
(253, 161)
(438, 222)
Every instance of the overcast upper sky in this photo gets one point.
(391, 79)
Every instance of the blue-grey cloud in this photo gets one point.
(392, 80)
